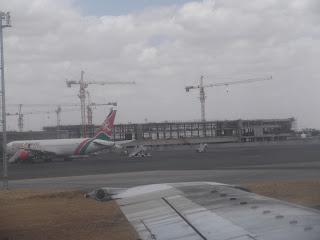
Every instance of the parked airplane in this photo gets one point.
(209, 210)
(24, 151)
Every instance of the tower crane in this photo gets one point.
(21, 114)
(62, 104)
(82, 95)
(201, 86)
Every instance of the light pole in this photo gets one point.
(6, 17)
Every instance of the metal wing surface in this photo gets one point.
(110, 143)
(206, 210)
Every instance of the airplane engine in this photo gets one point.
(118, 146)
(25, 156)
(104, 194)
(101, 195)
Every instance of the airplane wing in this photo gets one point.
(33, 152)
(123, 142)
(110, 143)
(15, 156)
(207, 210)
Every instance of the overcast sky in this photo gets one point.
(164, 46)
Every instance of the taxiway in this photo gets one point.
(227, 165)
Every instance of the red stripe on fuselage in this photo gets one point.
(76, 152)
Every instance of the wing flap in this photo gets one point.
(154, 219)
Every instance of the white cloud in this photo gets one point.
(147, 54)
(164, 49)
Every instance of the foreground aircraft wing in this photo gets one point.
(207, 210)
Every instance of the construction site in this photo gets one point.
(157, 134)
(246, 173)
(182, 133)
(153, 134)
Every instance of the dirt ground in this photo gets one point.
(60, 215)
(301, 192)
(54, 214)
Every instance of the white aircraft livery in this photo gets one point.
(20, 151)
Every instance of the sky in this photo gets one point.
(164, 46)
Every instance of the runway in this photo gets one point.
(227, 165)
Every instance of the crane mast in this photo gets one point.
(58, 111)
(20, 119)
(201, 87)
(202, 100)
(82, 96)
(89, 109)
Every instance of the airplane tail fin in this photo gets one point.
(105, 131)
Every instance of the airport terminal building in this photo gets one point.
(182, 133)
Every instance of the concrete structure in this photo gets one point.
(182, 133)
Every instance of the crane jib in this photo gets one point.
(201, 86)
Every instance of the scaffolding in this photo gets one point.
(193, 132)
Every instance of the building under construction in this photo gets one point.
(169, 133)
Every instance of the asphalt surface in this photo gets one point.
(296, 158)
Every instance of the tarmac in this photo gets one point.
(232, 165)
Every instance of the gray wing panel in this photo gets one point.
(213, 211)
(210, 224)
(167, 214)
(154, 219)
(263, 217)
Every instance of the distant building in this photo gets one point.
(168, 133)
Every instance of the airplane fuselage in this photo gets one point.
(30, 149)
(58, 147)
